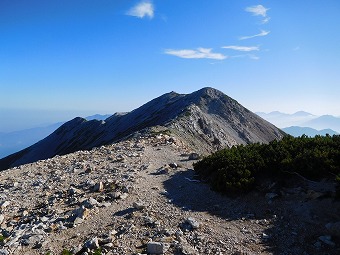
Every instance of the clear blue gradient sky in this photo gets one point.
(63, 58)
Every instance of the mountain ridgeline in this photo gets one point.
(206, 120)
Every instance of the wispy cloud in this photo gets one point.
(263, 33)
(251, 56)
(259, 10)
(196, 54)
(242, 48)
(266, 20)
(141, 10)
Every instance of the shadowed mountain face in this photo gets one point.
(206, 120)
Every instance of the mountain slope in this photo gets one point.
(206, 120)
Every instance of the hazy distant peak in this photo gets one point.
(277, 113)
(302, 114)
(299, 131)
(98, 117)
(296, 114)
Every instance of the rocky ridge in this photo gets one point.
(140, 196)
(206, 119)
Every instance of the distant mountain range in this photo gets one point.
(303, 119)
(299, 131)
(205, 120)
(294, 124)
(15, 141)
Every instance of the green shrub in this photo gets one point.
(66, 252)
(98, 251)
(237, 169)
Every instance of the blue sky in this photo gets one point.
(63, 58)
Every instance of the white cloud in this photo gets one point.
(141, 10)
(242, 48)
(266, 20)
(258, 10)
(251, 56)
(263, 33)
(198, 53)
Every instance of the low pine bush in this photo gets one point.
(236, 169)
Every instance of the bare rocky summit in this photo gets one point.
(126, 185)
(140, 196)
(207, 119)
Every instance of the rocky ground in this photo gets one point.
(141, 197)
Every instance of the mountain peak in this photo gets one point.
(302, 114)
(208, 91)
(206, 120)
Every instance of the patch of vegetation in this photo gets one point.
(161, 132)
(237, 169)
(187, 113)
(98, 251)
(2, 238)
(66, 252)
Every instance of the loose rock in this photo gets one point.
(156, 248)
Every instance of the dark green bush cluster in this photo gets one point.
(66, 252)
(2, 239)
(236, 169)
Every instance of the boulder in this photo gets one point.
(156, 248)
(194, 156)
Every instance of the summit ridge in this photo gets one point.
(207, 119)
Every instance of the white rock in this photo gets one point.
(139, 205)
(193, 223)
(78, 221)
(4, 204)
(4, 252)
(124, 196)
